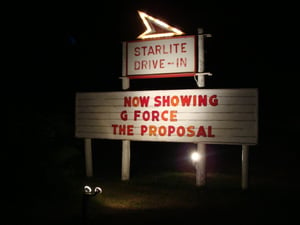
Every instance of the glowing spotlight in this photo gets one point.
(195, 156)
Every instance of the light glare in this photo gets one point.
(195, 156)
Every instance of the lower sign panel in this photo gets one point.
(220, 116)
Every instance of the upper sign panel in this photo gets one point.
(166, 57)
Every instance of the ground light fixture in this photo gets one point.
(91, 191)
(88, 192)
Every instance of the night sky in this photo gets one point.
(60, 49)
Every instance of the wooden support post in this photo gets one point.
(125, 159)
(245, 153)
(201, 165)
(88, 157)
(125, 173)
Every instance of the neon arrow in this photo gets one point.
(156, 28)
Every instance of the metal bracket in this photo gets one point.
(199, 78)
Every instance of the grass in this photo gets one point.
(163, 198)
(143, 192)
(155, 192)
(173, 198)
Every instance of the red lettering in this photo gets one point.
(149, 64)
(157, 101)
(180, 131)
(213, 100)
(190, 131)
(146, 115)
(150, 51)
(201, 132)
(155, 115)
(185, 100)
(136, 101)
(144, 64)
(166, 101)
(210, 134)
(122, 129)
(176, 47)
(171, 130)
(173, 115)
(163, 115)
(162, 130)
(136, 51)
(202, 100)
(136, 65)
(160, 49)
(174, 100)
(152, 130)
(130, 130)
(124, 115)
(157, 49)
(183, 47)
(136, 114)
(144, 50)
(144, 129)
(127, 101)
(115, 128)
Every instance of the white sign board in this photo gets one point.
(175, 56)
(220, 116)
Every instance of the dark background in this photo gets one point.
(56, 50)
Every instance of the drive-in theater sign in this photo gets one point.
(200, 116)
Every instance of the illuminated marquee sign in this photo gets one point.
(153, 25)
(158, 54)
(220, 116)
(167, 57)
